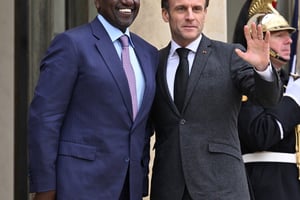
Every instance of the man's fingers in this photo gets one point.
(247, 32)
(267, 36)
(260, 34)
(240, 53)
(257, 32)
(253, 31)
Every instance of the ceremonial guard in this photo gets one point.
(270, 136)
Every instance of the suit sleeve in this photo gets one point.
(268, 94)
(250, 83)
(258, 127)
(58, 73)
(287, 113)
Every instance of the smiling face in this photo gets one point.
(280, 42)
(120, 13)
(186, 19)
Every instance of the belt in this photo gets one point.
(265, 156)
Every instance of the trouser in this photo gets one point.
(186, 195)
(125, 191)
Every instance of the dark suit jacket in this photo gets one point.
(200, 148)
(259, 131)
(82, 139)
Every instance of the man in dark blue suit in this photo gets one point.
(85, 142)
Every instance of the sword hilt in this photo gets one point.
(297, 133)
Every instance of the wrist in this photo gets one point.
(262, 68)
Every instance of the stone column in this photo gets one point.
(77, 13)
(40, 34)
(6, 99)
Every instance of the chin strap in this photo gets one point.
(277, 56)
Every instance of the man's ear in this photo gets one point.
(97, 4)
(165, 15)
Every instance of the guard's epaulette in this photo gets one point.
(244, 98)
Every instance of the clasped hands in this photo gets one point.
(258, 48)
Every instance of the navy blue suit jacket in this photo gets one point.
(82, 139)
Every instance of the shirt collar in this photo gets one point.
(192, 46)
(113, 32)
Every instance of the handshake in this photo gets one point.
(293, 90)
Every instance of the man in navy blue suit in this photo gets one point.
(84, 140)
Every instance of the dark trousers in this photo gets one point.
(186, 195)
(125, 191)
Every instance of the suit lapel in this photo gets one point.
(109, 55)
(162, 77)
(148, 74)
(198, 66)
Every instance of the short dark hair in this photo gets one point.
(165, 4)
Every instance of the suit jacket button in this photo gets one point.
(182, 121)
(127, 159)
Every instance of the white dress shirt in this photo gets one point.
(173, 61)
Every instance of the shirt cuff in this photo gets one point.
(267, 75)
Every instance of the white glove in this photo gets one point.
(293, 90)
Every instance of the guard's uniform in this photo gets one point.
(273, 174)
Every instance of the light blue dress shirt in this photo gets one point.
(114, 34)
